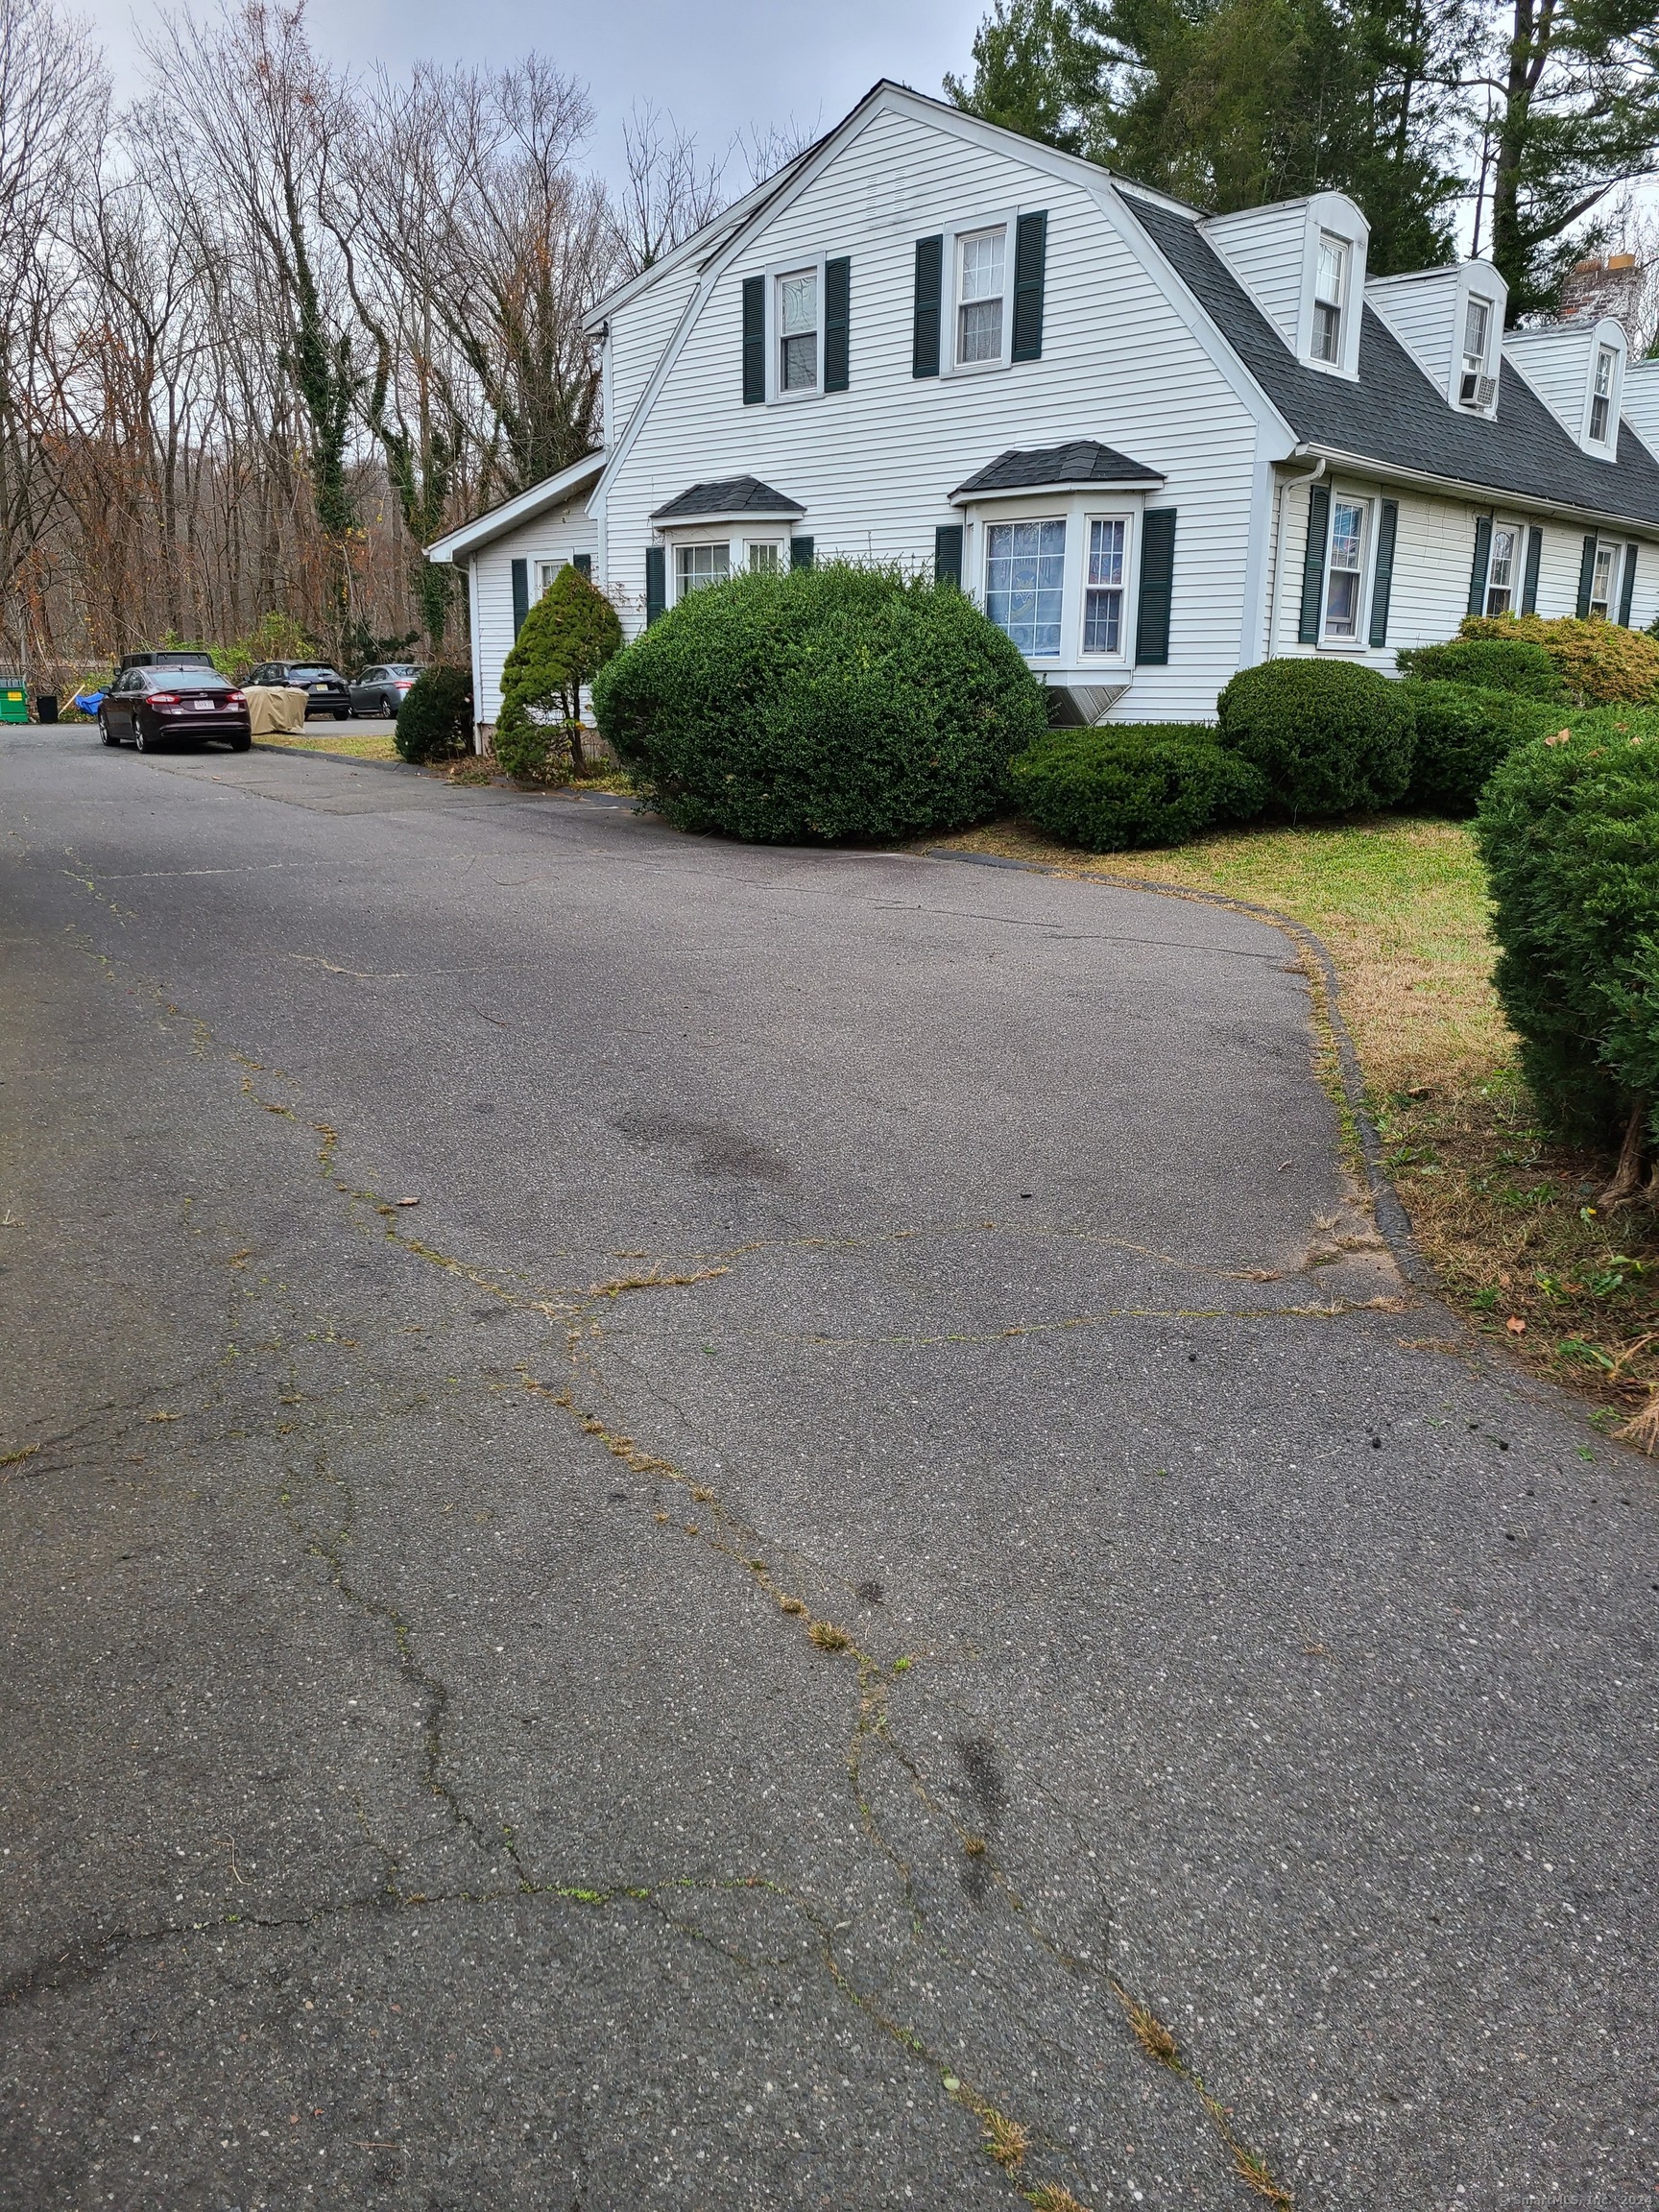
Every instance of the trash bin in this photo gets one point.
(14, 702)
(45, 706)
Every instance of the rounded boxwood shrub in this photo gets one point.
(1462, 734)
(1328, 735)
(1494, 663)
(435, 721)
(823, 703)
(564, 641)
(1569, 830)
(1130, 785)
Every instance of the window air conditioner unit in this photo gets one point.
(1477, 390)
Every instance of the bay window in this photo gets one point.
(696, 566)
(1025, 582)
(1103, 586)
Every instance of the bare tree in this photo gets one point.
(670, 190)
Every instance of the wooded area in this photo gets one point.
(270, 329)
(1501, 127)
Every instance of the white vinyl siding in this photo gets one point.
(880, 487)
(1267, 250)
(544, 544)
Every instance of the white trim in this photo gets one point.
(523, 508)
(1006, 220)
(1366, 498)
(980, 495)
(776, 395)
(1486, 495)
(759, 518)
(1518, 579)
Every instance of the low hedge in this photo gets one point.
(1462, 734)
(1596, 662)
(1132, 784)
(435, 721)
(1569, 830)
(1329, 737)
(1516, 664)
(823, 703)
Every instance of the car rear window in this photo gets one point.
(309, 675)
(401, 668)
(188, 680)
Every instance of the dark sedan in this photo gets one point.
(157, 707)
(383, 689)
(325, 687)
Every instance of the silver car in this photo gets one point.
(383, 689)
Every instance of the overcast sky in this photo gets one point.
(720, 67)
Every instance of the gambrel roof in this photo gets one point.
(1393, 416)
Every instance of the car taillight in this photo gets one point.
(235, 699)
(405, 682)
(163, 698)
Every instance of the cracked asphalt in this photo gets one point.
(883, 1596)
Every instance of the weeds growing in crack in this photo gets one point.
(1006, 2140)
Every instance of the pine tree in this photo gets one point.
(568, 636)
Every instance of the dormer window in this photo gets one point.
(1601, 398)
(1329, 291)
(1476, 389)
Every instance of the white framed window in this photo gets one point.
(1603, 581)
(695, 566)
(1330, 295)
(981, 284)
(796, 296)
(546, 571)
(1025, 582)
(1476, 343)
(1345, 570)
(1602, 396)
(762, 556)
(1504, 569)
(1104, 584)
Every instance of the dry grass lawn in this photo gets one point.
(1502, 1213)
(355, 748)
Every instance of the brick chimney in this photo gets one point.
(1609, 284)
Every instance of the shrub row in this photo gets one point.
(1569, 830)
(1596, 662)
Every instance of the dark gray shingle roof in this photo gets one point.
(1394, 413)
(1082, 461)
(731, 495)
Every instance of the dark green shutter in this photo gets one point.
(1627, 590)
(1030, 257)
(1383, 582)
(925, 328)
(753, 341)
(520, 594)
(800, 552)
(948, 553)
(583, 564)
(837, 320)
(1483, 561)
(1314, 563)
(1157, 587)
(1586, 577)
(656, 581)
(1529, 581)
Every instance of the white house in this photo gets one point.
(1155, 446)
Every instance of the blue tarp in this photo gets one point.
(86, 701)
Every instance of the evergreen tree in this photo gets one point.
(566, 638)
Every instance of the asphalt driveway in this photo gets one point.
(879, 1595)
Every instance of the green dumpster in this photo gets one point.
(14, 702)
